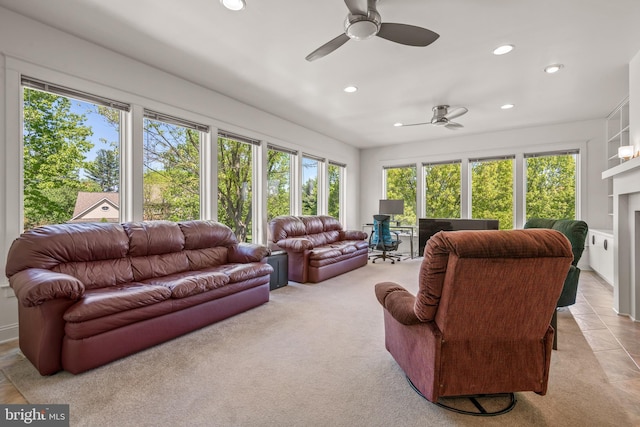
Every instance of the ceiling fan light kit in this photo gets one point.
(363, 24)
(359, 27)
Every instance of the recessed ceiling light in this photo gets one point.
(501, 50)
(233, 4)
(554, 68)
(350, 89)
(398, 124)
(507, 106)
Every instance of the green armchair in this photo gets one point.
(576, 232)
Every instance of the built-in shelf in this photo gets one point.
(617, 136)
(628, 166)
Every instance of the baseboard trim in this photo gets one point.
(8, 332)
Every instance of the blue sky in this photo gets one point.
(98, 124)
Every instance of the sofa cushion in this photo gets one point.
(325, 252)
(321, 262)
(50, 245)
(104, 301)
(284, 227)
(350, 246)
(206, 257)
(295, 244)
(324, 238)
(240, 272)
(313, 224)
(147, 267)
(153, 238)
(98, 274)
(206, 234)
(330, 223)
(190, 282)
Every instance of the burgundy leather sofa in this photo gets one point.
(91, 293)
(317, 246)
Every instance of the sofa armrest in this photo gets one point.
(247, 252)
(353, 235)
(295, 244)
(35, 286)
(398, 302)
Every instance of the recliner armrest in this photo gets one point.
(35, 286)
(398, 302)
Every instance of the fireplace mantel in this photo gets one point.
(627, 167)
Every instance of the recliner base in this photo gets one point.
(481, 411)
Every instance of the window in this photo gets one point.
(492, 190)
(171, 168)
(551, 185)
(400, 183)
(336, 177)
(279, 161)
(442, 190)
(71, 143)
(235, 183)
(310, 170)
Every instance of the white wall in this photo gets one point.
(634, 102)
(588, 136)
(30, 48)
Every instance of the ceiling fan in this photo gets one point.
(442, 117)
(364, 22)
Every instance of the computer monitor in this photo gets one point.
(391, 207)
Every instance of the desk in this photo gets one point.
(427, 227)
(411, 229)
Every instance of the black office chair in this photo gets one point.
(382, 239)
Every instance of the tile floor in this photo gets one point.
(615, 341)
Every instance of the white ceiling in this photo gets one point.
(257, 56)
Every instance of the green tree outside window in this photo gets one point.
(278, 183)
(310, 169)
(171, 165)
(402, 185)
(56, 147)
(492, 191)
(442, 190)
(235, 186)
(335, 174)
(551, 186)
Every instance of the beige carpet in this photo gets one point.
(313, 356)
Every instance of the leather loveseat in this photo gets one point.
(91, 293)
(317, 246)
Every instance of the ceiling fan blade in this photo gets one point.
(416, 124)
(456, 112)
(453, 126)
(357, 7)
(327, 48)
(407, 34)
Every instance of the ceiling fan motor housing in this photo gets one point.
(438, 118)
(361, 27)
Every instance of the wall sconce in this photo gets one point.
(625, 152)
(233, 4)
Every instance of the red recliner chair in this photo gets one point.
(480, 322)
